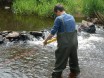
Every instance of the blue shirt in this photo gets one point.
(69, 24)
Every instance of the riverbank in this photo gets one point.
(44, 8)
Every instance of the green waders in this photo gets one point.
(67, 49)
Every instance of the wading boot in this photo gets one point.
(56, 75)
(73, 75)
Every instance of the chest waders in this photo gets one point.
(67, 49)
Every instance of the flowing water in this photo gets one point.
(33, 60)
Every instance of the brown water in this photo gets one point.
(10, 21)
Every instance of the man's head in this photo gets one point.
(59, 9)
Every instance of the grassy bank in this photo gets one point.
(39, 7)
(45, 7)
(92, 6)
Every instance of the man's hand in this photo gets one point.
(45, 42)
(48, 38)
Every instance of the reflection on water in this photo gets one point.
(33, 60)
(10, 21)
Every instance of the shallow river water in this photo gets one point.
(33, 60)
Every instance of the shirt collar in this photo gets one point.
(64, 13)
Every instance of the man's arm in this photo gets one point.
(53, 30)
(48, 38)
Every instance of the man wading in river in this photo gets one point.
(64, 26)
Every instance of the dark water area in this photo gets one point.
(13, 22)
(10, 21)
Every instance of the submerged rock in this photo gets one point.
(1, 39)
(24, 37)
(36, 33)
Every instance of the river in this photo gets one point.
(33, 60)
(10, 21)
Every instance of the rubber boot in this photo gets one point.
(73, 75)
(56, 75)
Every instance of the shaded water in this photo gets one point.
(10, 21)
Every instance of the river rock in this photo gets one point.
(24, 36)
(5, 33)
(13, 36)
(1, 39)
(36, 33)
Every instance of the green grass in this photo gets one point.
(45, 7)
(24, 6)
(92, 6)
(39, 7)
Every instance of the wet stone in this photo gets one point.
(1, 39)
(5, 33)
(36, 33)
(24, 36)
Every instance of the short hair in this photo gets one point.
(59, 7)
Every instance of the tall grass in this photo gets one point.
(70, 5)
(41, 7)
(92, 6)
(45, 7)
(24, 6)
